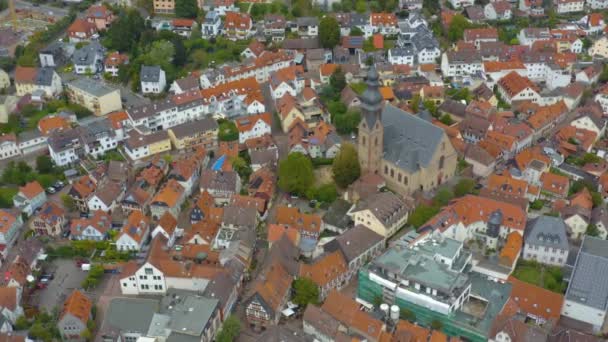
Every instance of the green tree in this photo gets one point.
(592, 230)
(326, 193)
(305, 292)
(230, 330)
(346, 168)
(421, 215)
(446, 119)
(443, 196)
(68, 202)
(360, 6)
(337, 81)
(329, 32)
(180, 56)
(356, 32)
(457, 26)
(431, 106)
(463, 187)
(296, 173)
(22, 323)
(415, 104)
(124, 31)
(44, 164)
(161, 52)
(227, 130)
(186, 9)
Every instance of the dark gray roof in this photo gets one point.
(463, 57)
(193, 127)
(547, 231)
(600, 215)
(240, 216)
(409, 141)
(130, 314)
(307, 21)
(589, 281)
(386, 206)
(357, 241)
(220, 288)
(403, 51)
(219, 180)
(301, 43)
(146, 110)
(149, 73)
(336, 214)
(45, 76)
(454, 108)
(267, 156)
(189, 313)
(87, 54)
(92, 87)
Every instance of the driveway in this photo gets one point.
(67, 278)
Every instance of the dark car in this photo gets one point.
(66, 234)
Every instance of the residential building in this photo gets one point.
(513, 88)
(30, 80)
(599, 218)
(8, 104)
(358, 246)
(479, 35)
(271, 292)
(100, 16)
(81, 31)
(153, 79)
(8, 146)
(164, 6)
(186, 84)
(309, 225)
(211, 25)
(139, 146)
(168, 199)
(50, 220)
(409, 152)
(93, 228)
(194, 134)
(107, 195)
(237, 25)
(498, 10)
(81, 190)
(10, 309)
(134, 233)
(95, 96)
(462, 3)
(307, 26)
(113, 62)
(546, 241)
(569, 6)
(274, 27)
(30, 197)
(585, 301)
(89, 59)
(75, 315)
(222, 185)
(535, 304)
(384, 213)
(5, 80)
(167, 226)
(253, 126)
(329, 272)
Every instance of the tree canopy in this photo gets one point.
(346, 168)
(296, 173)
(457, 26)
(329, 32)
(124, 31)
(230, 330)
(186, 9)
(305, 292)
(337, 80)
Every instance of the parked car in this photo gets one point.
(58, 185)
(51, 190)
(80, 262)
(66, 234)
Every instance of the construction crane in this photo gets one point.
(13, 14)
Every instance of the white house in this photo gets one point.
(253, 126)
(590, 122)
(498, 10)
(287, 80)
(91, 228)
(569, 6)
(153, 79)
(30, 197)
(462, 3)
(106, 197)
(134, 233)
(211, 25)
(167, 226)
(89, 59)
(8, 146)
(514, 87)
(590, 269)
(461, 63)
(597, 4)
(546, 241)
(402, 56)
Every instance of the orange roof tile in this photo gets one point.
(383, 19)
(387, 93)
(52, 123)
(535, 300)
(555, 184)
(582, 199)
(78, 305)
(137, 225)
(495, 66)
(81, 26)
(275, 286)
(346, 311)
(545, 115)
(247, 123)
(25, 75)
(513, 84)
(237, 21)
(327, 69)
(326, 269)
(378, 41)
(31, 189)
(417, 333)
(276, 231)
(510, 251)
(168, 222)
(169, 194)
(304, 222)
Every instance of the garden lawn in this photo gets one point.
(6, 196)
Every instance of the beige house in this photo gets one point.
(289, 112)
(383, 212)
(164, 6)
(600, 48)
(28, 80)
(5, 81)
(95, 96)
(196, 133)
(409, 152)
(8, 103)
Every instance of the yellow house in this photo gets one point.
(164, 6)
(5, 81)
(599, 48)
(8, 103)
(160, 146)
(95, 96)
(28, 80)
(289, 111)
(384, 213)
(139, 146)
(196, 133)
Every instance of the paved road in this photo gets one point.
(67, 278)
(48, 10)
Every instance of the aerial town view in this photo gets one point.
(303, 170)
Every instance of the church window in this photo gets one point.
(363, 141)
(399, 177)
(392, 173)
(376, 141)
(441, 161)
(443, 146)
(385, 170)
(364, 125)
(405, 180)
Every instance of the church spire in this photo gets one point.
(371, 99)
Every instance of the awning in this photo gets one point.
(288, 312)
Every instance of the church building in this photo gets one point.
(407, 150)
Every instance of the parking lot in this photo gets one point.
(67, 278)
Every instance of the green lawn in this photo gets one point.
(548, 277)
(6, 196)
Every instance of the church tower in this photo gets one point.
(371, 131)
